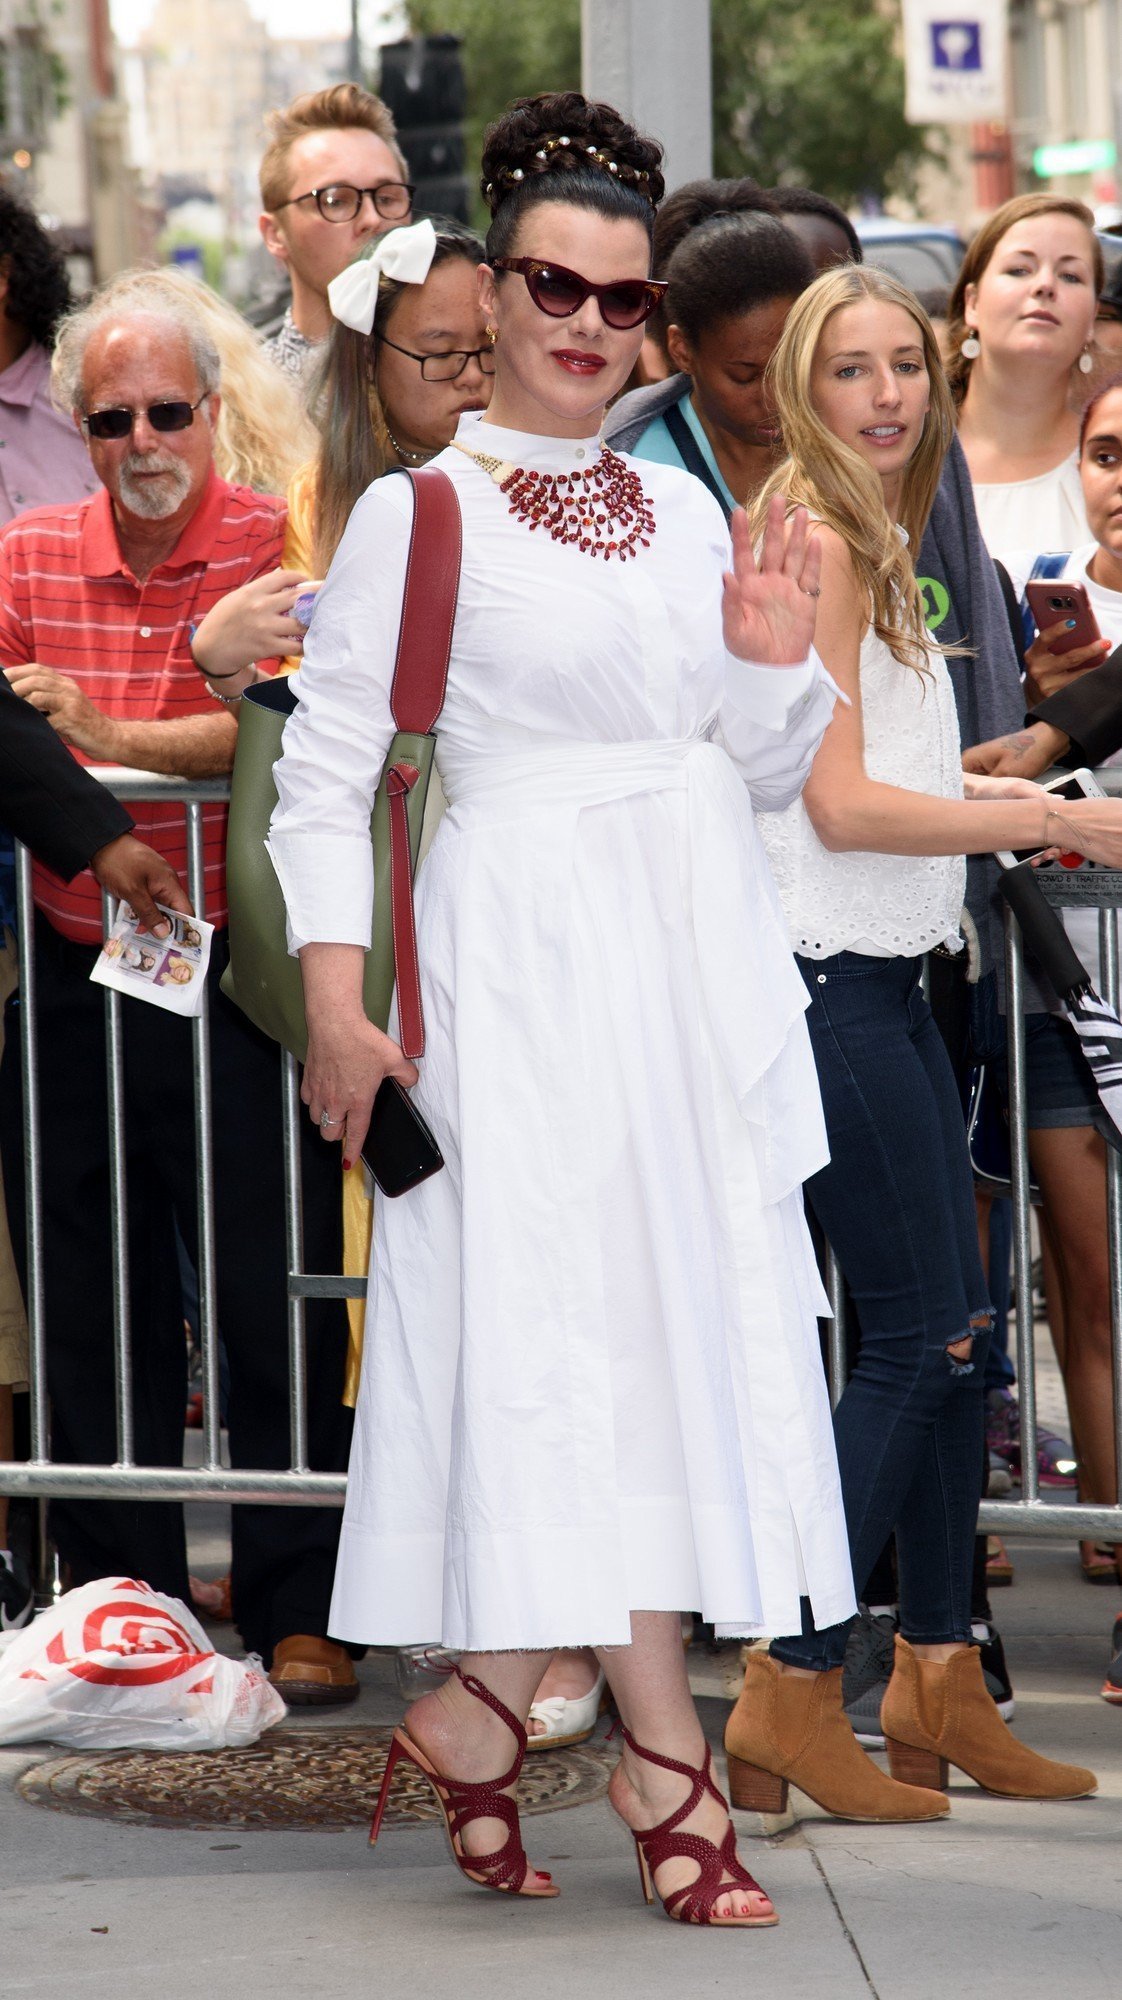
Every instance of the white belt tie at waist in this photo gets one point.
(755, 1015)
(565, 774)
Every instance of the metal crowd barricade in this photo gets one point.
(1030, 1515)
(40, 1476)
(298, 1486)
(1101, 890)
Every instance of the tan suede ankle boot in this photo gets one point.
(938, 1712)
(791, 1729)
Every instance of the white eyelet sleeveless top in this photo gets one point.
(886, 905)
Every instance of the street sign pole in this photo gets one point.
(650, 58)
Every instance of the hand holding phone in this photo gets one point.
(1081, 784)
(399, 1148)
(1065, 621)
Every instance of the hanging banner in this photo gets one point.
(955, 61)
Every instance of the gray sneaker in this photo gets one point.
(866, 1673)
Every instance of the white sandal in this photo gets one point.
(566, 1722)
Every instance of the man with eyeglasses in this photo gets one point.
(333, 175)
(100, 602)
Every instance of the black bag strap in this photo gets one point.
(1012, 610)
(692, 456)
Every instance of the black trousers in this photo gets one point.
(283, 1557)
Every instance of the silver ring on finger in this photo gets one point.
(328, 1118)
(810, 593)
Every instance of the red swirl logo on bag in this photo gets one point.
(145, 1643)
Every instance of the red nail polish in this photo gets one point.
(347, 1165)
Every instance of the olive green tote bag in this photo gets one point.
(261, 977)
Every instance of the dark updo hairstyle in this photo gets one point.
(539, 151)
(729, 266)
(696, 202)
(686, 209)
(38, 287)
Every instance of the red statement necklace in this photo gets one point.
(603, 511)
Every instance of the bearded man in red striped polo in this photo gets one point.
(98, 604)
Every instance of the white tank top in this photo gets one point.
(886, 905)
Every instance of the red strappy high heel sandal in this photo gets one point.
(507, 1869)
(719, 1868)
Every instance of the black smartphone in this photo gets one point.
(399, 1149)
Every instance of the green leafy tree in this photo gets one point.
(512, 48)
(812, 93)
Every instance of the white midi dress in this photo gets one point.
(592, 1381)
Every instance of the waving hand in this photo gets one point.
(769, 606)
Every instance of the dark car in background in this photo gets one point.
(923, 255)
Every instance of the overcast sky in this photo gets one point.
(284, 18)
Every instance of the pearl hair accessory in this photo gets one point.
(971, 347)
(594, 155)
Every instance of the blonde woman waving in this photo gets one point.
(869, 865)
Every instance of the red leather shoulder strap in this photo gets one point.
(428, 611)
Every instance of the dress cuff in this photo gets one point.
(328, 884)
(772, 696)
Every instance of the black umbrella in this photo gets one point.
(1097, 1025)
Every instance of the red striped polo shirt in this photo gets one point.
(68, 600)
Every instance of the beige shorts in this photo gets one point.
(13, 1320)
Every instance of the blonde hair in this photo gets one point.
(1023, 208)
(834, 483)
(344, 107)
(264, 433)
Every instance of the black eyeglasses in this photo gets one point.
(445, 367)
(341, 203)
(161, 416)
(560, 293)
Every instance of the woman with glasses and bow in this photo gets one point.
(592, 1395)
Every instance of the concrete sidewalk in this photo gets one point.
(1006, 1898)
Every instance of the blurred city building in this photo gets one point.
(200, 80)
(64, 132)
(1066, 124)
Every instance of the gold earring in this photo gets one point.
(492, 333)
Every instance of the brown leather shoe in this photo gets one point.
(313, 1673)
(791, 1728)
(939, 1712)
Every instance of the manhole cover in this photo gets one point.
(302, 1778)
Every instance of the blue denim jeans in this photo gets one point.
(896, 1203)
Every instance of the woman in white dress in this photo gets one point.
(870, 870)
(1020, 330)
(592, 1393)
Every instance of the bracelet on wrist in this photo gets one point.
(205, 671)
(1072, 832)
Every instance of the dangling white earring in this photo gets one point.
(1086, 362)
(971, 347)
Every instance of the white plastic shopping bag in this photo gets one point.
(114, 1665)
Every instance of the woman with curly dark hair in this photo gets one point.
(592, 1394)
(44, 460)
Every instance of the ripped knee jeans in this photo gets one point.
(896, 1202)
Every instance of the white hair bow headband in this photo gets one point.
(405, 254)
